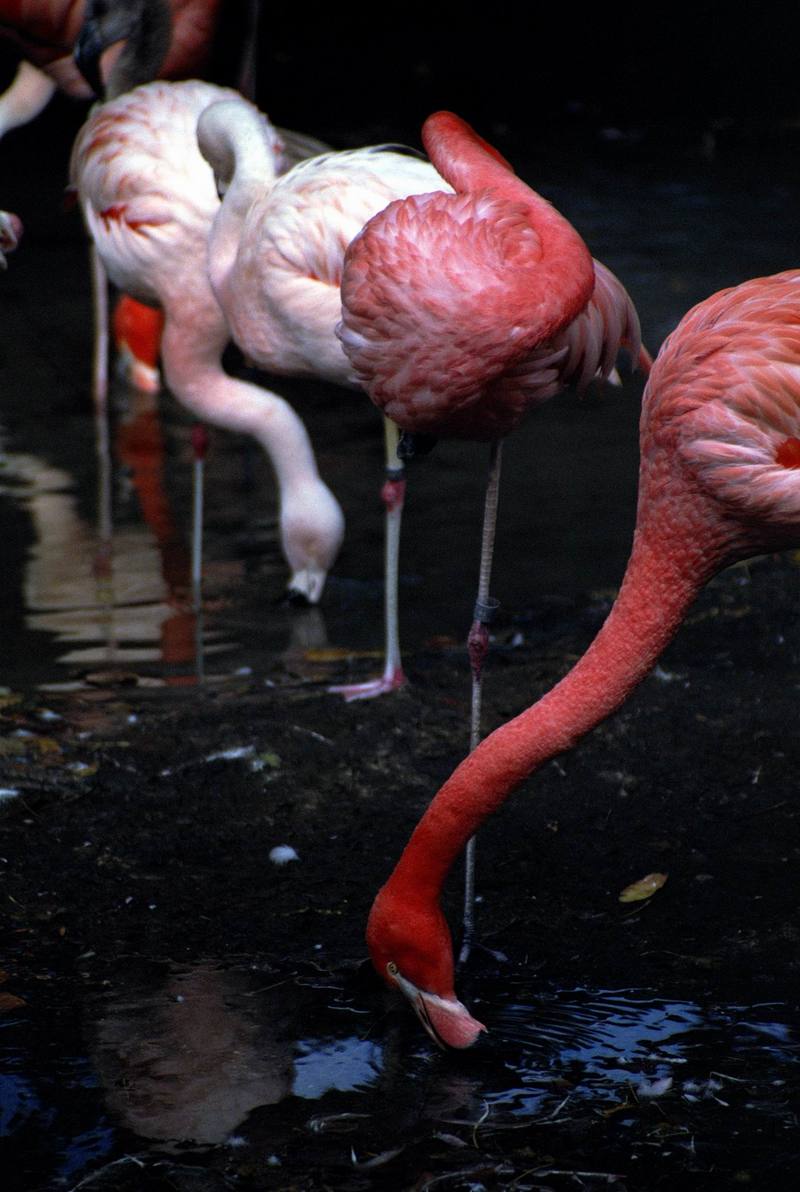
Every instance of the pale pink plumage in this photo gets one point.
(278, 243)
(275, 261)
(719, 481)
(149, 200)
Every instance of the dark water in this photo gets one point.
(214, 1067)
(119, 1078)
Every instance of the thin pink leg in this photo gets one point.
(393, 496)
(478, 647)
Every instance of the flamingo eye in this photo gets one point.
(392, 969)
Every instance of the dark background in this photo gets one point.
(642, 73)
(620, 76)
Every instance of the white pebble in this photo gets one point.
(282, 854)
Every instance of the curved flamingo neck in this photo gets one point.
(471, 165)
(460, 155)
(661, 581)
(233, 139)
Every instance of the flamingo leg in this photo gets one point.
(199, 450)
(100, 312)
(102, 561)
(478, 647)
(393, 496)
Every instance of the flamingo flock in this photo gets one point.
(458, 300)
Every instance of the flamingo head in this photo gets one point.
(312, 529)
(411, 950)
(234, 135)
(145, 26)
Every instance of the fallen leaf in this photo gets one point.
(337, 653)
(46, 745)
(9, 1002)
(644, 888)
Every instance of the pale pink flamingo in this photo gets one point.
(149, 200)
(719, 482)
(462, 311)
(275, 260)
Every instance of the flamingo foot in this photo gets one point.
(391, 679)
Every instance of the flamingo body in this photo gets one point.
(461, 311)
(276, 251)
(149, 201)
(148, 196)
(719, 481)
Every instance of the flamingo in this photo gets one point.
(275, 260)
(719, 482)
(462, 311)
(149, 201)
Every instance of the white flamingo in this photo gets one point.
(275, 262)
(149, 200)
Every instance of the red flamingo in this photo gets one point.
(719, 482)
(462, 311)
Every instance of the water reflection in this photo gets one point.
(188, 1062)
(114, 596)
(222, 1057)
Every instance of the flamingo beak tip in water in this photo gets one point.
(306, 585)
(447, 1020)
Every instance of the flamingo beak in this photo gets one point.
(86, 55)
(447, 1020)
(306, 584)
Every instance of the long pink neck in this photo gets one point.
(565, 274)
(662, 580)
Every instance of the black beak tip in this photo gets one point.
(293, 598)
(86, 56)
